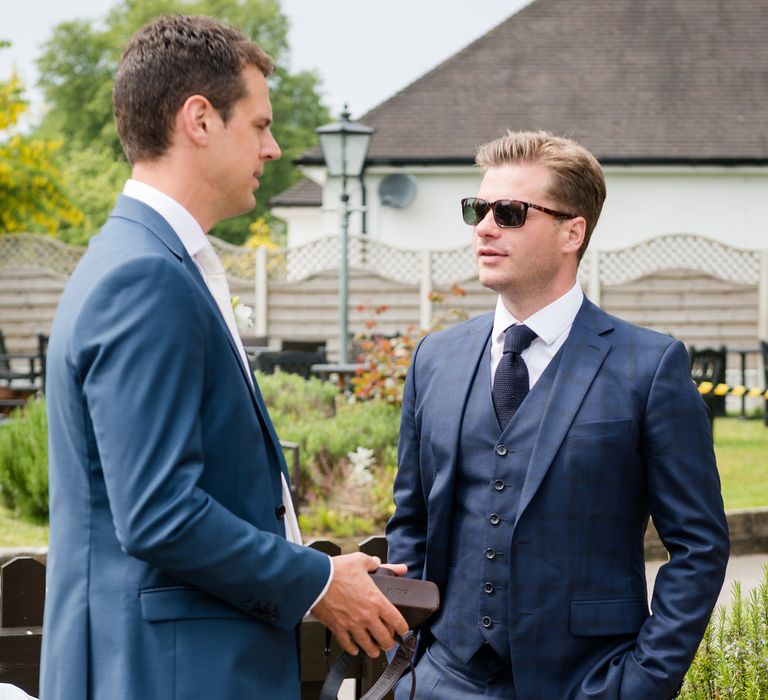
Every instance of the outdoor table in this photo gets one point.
(343, 370)
(253, 351)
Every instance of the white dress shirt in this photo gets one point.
(552, 324)
(193, 238)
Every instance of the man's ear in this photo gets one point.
(194, 119)
(574, 231)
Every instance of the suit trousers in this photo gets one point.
(442, 676)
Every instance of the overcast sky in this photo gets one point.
(364, 50)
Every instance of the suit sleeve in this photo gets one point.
(141, 368)
(687, 509)
(407, 529)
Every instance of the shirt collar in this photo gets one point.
(547, 323)
(184, 225)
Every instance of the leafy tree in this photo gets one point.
(32, 197)
(78, 64)
(94, 178)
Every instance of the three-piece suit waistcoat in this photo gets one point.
(490, 474)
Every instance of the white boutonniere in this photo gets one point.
(242, 313)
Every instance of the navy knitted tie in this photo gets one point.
(510, 383)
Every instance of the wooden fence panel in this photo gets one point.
(696, 308)
(22, 600)
(701, 291)
(28, 300)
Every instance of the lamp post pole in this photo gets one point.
(344, 269)
(345, 146)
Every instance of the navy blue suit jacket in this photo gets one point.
(169, 575)
(625, 435)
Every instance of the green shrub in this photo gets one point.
(290, 397)
(732, 660)
(326, 440)
(347, 454)
(24, 461)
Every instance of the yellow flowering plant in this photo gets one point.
(32, 195)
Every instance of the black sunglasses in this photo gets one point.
(507, 213)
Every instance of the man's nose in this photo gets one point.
(270, 149)
(487, 228)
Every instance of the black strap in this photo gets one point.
(401, 662)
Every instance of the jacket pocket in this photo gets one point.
(590, 618)
(184, 603)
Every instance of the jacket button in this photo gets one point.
(498, 485)
(280, 511)
(494, 519)
(488, 587)
(486, 622)
(490, 553)
(501, 450)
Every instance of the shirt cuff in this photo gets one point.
(325, 588)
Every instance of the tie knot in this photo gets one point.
(209, 261)
(517, 338)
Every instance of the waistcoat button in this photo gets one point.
(487, 622)
(488, 587)
(501, 450)
(494, 519)
(490, 553)
(498, 485)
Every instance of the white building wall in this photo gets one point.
(726, 204)
(304, 224)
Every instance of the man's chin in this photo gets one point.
(245, 207)
(492, 280)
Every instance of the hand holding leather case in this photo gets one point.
(416, 599)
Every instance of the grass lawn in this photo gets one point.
(742, 456)
(741, 447)
(15, 532)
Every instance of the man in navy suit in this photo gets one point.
(175, 567)
(535, 443)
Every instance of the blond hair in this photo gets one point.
(577, 184)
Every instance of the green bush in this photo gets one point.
(347, 453)
(732, 660)
(24, 461)
(325, 440)
(347, 463)
(290, 397)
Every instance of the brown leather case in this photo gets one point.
(416, 599)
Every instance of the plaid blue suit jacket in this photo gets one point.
(625, 436)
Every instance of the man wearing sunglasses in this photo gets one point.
(535, 443)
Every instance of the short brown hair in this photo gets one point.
(166, 62)
(577, 185)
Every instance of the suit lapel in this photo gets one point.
(129, 208)
(583, 354)
(455, 381)
(190, 266)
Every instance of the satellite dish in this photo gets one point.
(397, 190)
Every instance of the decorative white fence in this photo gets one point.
(678, 283)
